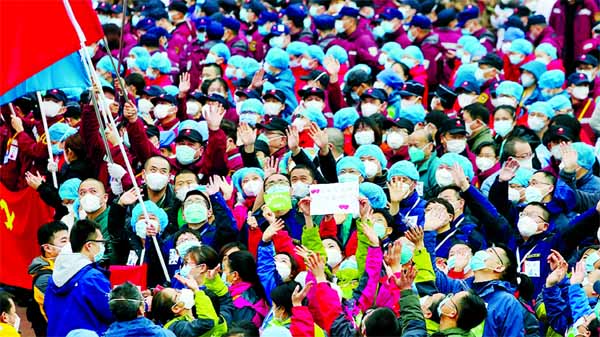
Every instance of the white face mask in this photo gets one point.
(156, 181)
(484, 163)
(526, 163)
(456, 145)
(527, 80)
(364, 137)
(503, 127)
(300, 124)
(334, 257)
(405, 103)
(315, 105)
(187, 297)
(532, 194)
(588, 73)
(527, 226)
(283, 270)
(504, 100)
(161, 111)
(370, 168)
(90, 203)
(444, 178)
(252, 188)
(144, 106)
(535, 123)
(300, 190)
(556, 152)
(192, 108)
(50, 108)
(514, 195)
(368, 109)
(395, 140)
(183, 191)
(580, 93)
(272, 108)
(464, 100)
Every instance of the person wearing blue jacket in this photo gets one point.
(77, 294)
(277, 72)
(407, 207)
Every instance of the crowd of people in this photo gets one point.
(469, 129)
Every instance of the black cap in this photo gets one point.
(355, 78)
(313, 75)
(178, 6)
(56, 94)
(437, 118)
(311, 91)
(214, 97)
(586, 59)
(536, 20)
(375, 93)
(274, 93)
(249, 93)
(559, 133)
(446, 95)
(445, 17)
(200, 193)
(399, 122)
(493, 60)
(189, 134)
(153, 90)
(275, 124)
(412, 88)
(73, 110)
(164, 98)
(578, 79)
(454, 126)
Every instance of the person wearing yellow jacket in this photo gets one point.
(9, 320)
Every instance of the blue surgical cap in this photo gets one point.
(250, 66)
(475, 50)
(552, 79)
(315, 52)
(253, 105)
(315, 115)
(82, 333)
(284, 162)
(105, 64)
(373, 151)
(390, 46)
(414, 52)
(450, 158)
(344, 118)
(236, 61)
(414, 113)
(465, 72)
(338, 53)
(548, 49)
(585, 155)
(403, 168)
(543, 107)
(160, 62)
(221, 50)
(60, 131)
(240, 174)
(142, 57)
(513, 33)
(390, 78)
(522, 176)
(510, 88)
(351, 162)
(466, 40)
(171, 90)
(537, 68)
(296, 48)
(521, 46)
(69, 189)
(374, 193)
(560, 102)
(278, 58)
(163, 219)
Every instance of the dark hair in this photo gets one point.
(219, 71)
(82, 232)
(186, 230)
(486, 144)
(508, 108)
(337, 241)
(303, 167)
(75, 144)
(45, 234)
(137, 81)
(510, 271)
(593, 327)
(443, 202)
(542, 206)
(381, 322)
(295, 268)
(509, 147)
(243, 263)
(230, 245)
(159, 157)
(6, 302)
(186, 171)
(478, 111)
(161, 307)
(472, 311)
(370, 122)
(525, 287)
(207, 84)
(230, 129)
(124, 302)
(454, 188)
(390, 222)
(282, 296)
(435, 316)
(205, 255)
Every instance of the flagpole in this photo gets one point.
(48, 142)
(96, 80)
(117, 72)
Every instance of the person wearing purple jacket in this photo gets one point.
(294, 17)
(325, 25)
(237, 44)
(393, 28)
(469, 21)
(361, 44)
(572, 20)
(540, 32)
(257, 47)
(421, 36)
(444, 28)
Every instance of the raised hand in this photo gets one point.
(33, 181)
(370, 233)
(247, 135)
(303, 252)
(460, 179)
(272, 230)
(129, 198)
(184, 84)
(397, 192)
(508, 170)
(214, 115)
(365, 209)
(130, 112)
(304, 205)
(111, 136)
(251, 221)
(188, 282)
(578, 273)
(392, 256)
(316, 264)
(226, 188)
(116, 171)
(293, 138)
(16, 122)
(299, 295)
(415, 235)
(271, 166)
(213, 185)
(406, 279)
(212, 273)
(559, 269)
(320, 138)
(435, 218)
(331, 65)
(268, 214)
(258, 80)
(569, 157)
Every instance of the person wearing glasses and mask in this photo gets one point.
(77, 293)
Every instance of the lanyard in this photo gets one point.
(524, 257)
(413, 207)
(445, 239)
(587, 105)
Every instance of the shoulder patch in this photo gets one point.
(373, 51)
(483, 98)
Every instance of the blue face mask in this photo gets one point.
(185, 271)
(248, 118)
(478, 260)
(201, 37)
(379, 229)
(185, 154)
(347, 178)
(150, 74)
(184, 247)
(451, 262)
(262, 30)
(406, 254)
(56, 150)
(100, 254)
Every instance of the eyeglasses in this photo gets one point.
(498, 256)
(450, 298)
(98, 241)
(531, 215)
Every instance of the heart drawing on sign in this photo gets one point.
(345, 207)
(315, 191)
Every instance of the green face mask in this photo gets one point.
(416, 154)
(278, 198)
(195, 213)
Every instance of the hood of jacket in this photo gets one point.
(68, 265)
(139, 327)
(38, 264)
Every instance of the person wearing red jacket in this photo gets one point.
(519, 53)
(583, 106)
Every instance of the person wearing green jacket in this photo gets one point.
(459, 313)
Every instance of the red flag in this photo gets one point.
(36, 34)
(21, 214)
(134, 274)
